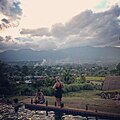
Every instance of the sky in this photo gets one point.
(58, 24)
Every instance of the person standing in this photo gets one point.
(58, 91)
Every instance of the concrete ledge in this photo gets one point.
(81, 112)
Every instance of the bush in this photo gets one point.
(72, 88)
(78, 87)
(48, 91)
(97, 87)
(24, 89)
(88, 86)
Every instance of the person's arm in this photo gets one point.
(42, 96)
(36, 95)
(54, 86)
(62, 85)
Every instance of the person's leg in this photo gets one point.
(57, 102)
(60, 99)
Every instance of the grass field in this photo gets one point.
(79, 100)
(95, 78)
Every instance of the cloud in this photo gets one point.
(11, 10)
(6, 43)
(41, 43)
(58, 30)
(23, 39)
(5, 21)
(85, 29)
(93, 29)
(36, 32)
(5, 39)
(36, 43)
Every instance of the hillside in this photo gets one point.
(68, 55)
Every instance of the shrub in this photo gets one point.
(97, 87)
(48, 91)
(88, 86)
(78, 87)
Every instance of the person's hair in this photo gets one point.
(38, 90)
(58, 79)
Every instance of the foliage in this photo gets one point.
(83, 78)
(78, 87)
(67, 77)
(48, 91)
(118, 68)
(5, 87)
(13, 77)
(24, 89)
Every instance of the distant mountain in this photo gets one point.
(68, 55)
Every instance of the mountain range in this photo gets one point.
(78, 55)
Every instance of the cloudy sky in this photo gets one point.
(58, 24)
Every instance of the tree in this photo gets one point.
(118, 68)
(17, 70)
(4, 81)
(25, 70)
(83, 79)
(68, 78)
